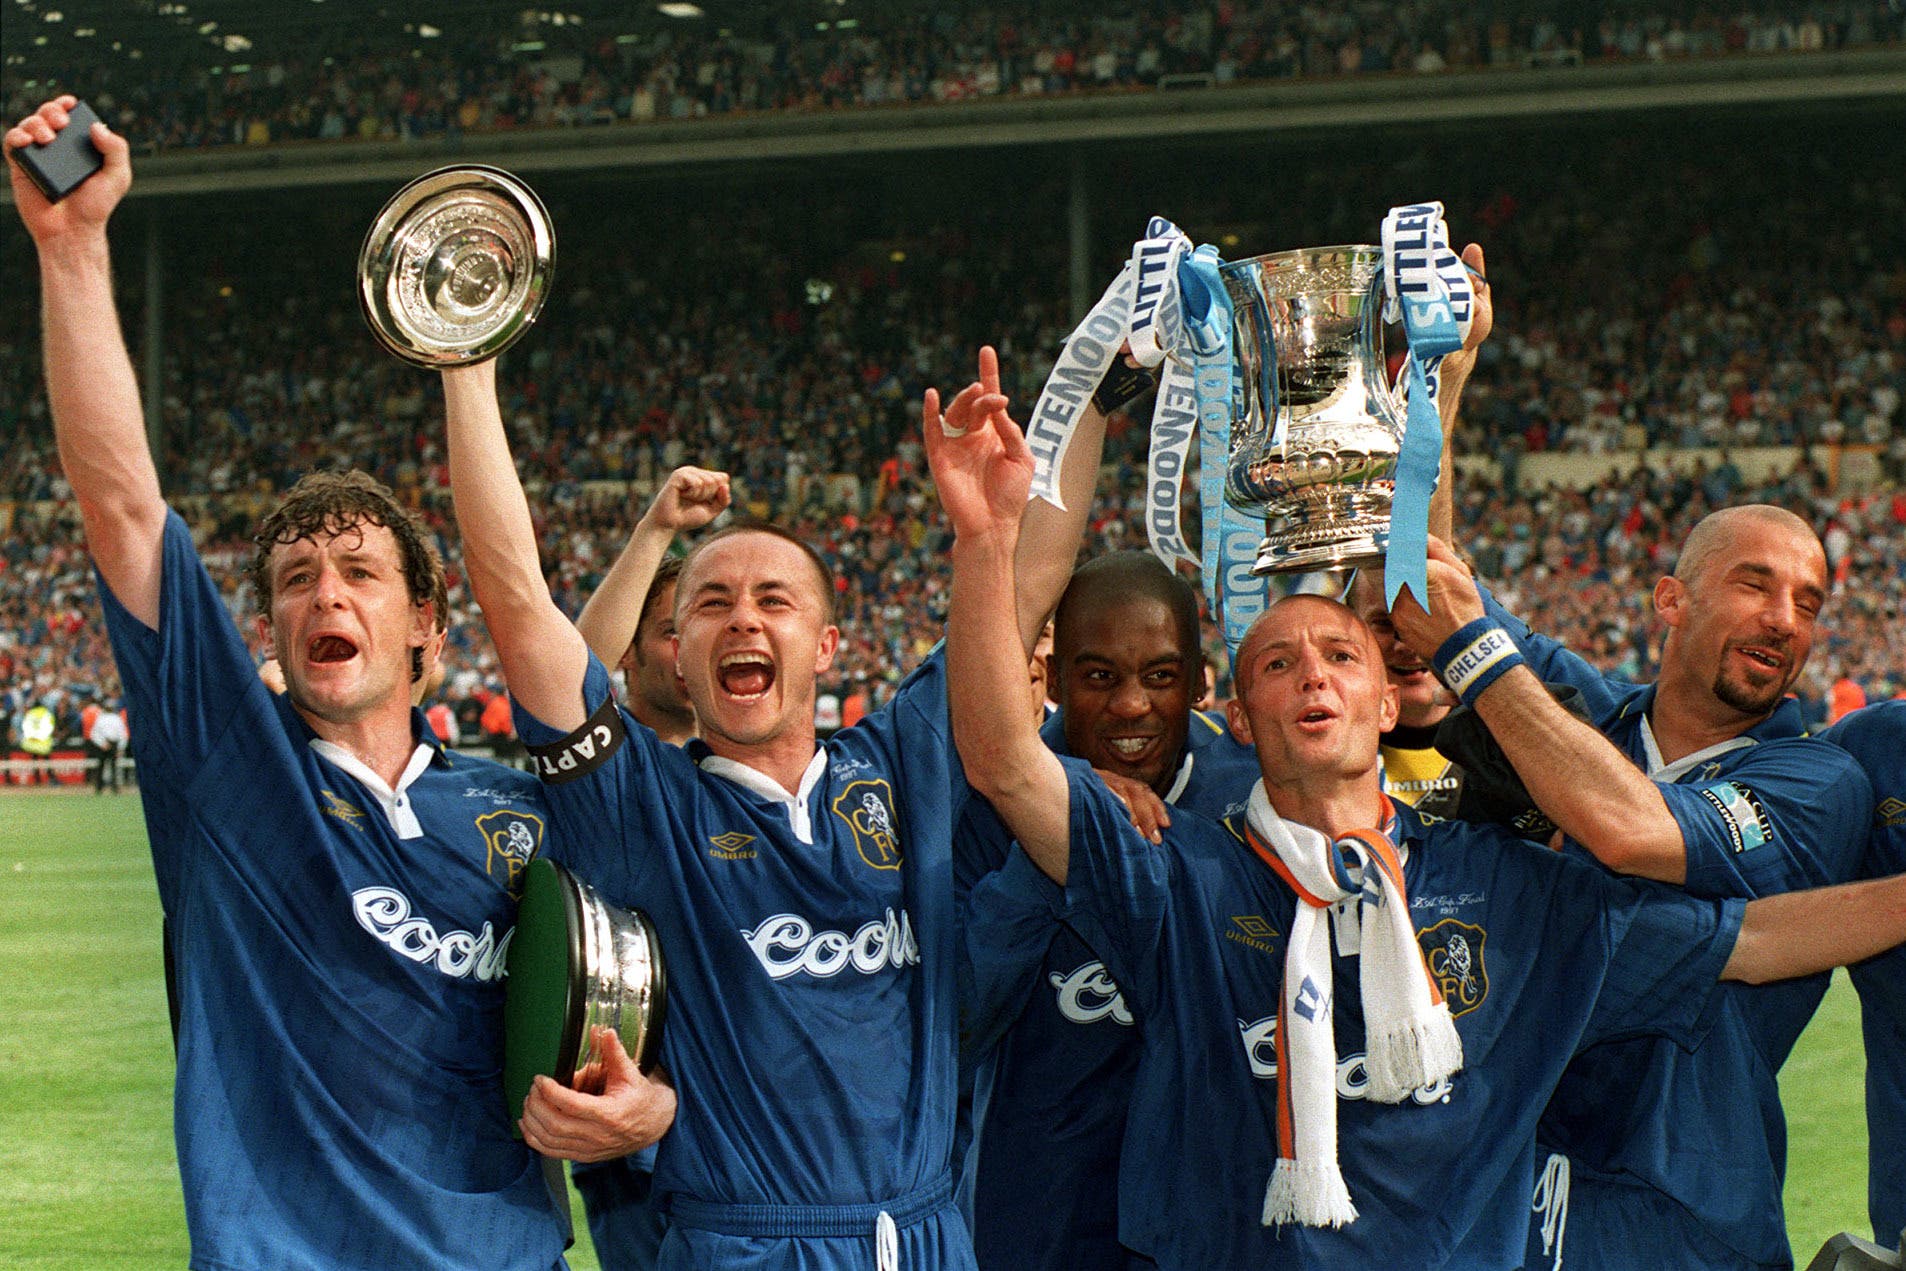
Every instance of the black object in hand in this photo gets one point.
(1122, 386)
(62, 164)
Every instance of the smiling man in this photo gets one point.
(339, 889)
(1126, 666)
(1740, 804)
(803, 892)
(1414, 771)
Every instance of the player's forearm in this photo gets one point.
(98, 424)
(541, 652)
(986, 681)
(1049, 537)
(1582, 782)
(609, 619)
(1442, 508)
(1806, 932)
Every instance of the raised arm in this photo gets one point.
(983, 470)
(543, 655)
(688, 500)
(1806, 932)
(1572, 772)
(90, 384)
(1049, 537)
(1454, 374)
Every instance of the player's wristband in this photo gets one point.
(1474, 658)
(1121, 386)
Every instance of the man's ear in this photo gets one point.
(1671, 597)
(824, 655)
(1240, 722)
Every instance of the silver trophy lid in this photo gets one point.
(456, 266)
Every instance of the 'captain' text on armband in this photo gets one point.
(584, 750)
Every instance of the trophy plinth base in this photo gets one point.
(1323, 548)
(1326, 528)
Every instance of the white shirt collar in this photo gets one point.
(395, 802)
(1669, 773)
(768, 788)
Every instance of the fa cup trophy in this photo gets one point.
(1316, 425)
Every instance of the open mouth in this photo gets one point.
(1765, 658)
(1408, 670)
(330, 649)
(1130, 749)
(747, 676)
(1315, 717)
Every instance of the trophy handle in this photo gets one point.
(1392, 407)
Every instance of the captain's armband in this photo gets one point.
(583, 751)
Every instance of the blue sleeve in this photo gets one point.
(612, 785)
(188, 685)
(1790, 814)
(1010, 919)
(1553, 663)
(187, 682)
(1118, 885)
(1665, 955)
(1875, 736)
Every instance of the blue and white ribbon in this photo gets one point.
(1082, 363)
(1234, 594)
(1427, 288)
(1169, 305)
(1142, 309)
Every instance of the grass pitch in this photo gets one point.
(88, 1174)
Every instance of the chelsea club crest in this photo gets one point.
(1453, 952)
(512, 839)
(867, 807)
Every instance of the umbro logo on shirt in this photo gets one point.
(1254, 931)
(1891, 812)
(732, 846)
(339, 810)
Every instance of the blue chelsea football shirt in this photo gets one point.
(1876, 738)
(339, 1099)
(810, 944)
(1056, 1085)
(1771, 811)
(1554, 955)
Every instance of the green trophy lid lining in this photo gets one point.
(538, 995)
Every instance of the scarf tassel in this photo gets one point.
(1410, 1054)
(1310, 1192)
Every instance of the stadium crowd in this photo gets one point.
(797, 368)
(342, 83)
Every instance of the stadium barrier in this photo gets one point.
(66, 767)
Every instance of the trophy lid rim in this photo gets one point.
(406, 203)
